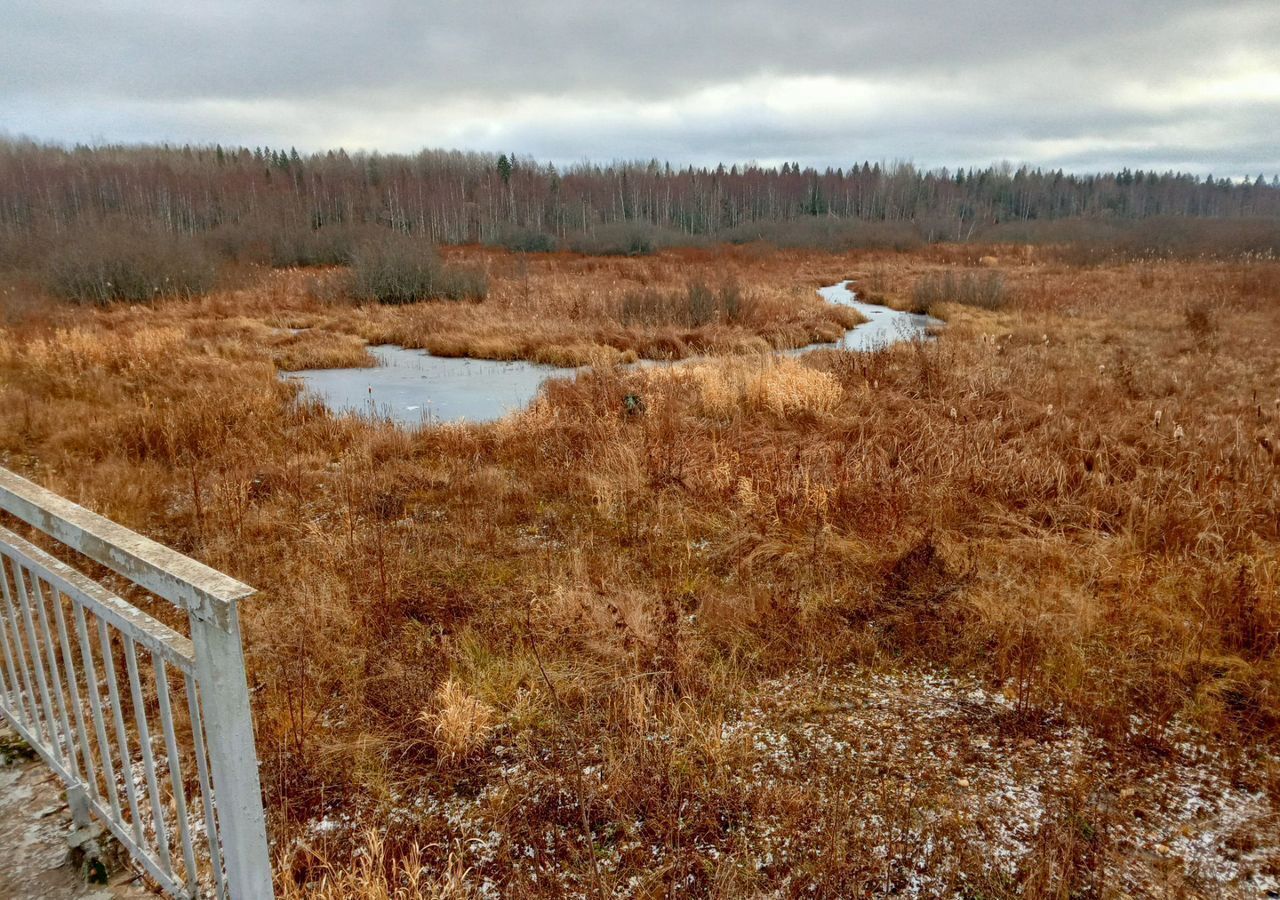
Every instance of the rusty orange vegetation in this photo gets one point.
(1073, 499)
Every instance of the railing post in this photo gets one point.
(78, 803)
(228, 725)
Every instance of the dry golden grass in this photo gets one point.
(562, 309)
(1075, 498)
(460, 724)
(376, 875)
(783, 388)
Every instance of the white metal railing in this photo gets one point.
(150, 730)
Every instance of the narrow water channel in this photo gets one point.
(412, 387)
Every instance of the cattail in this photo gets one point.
(1158, 417)
(1178, 433)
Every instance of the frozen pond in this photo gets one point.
(413, 387)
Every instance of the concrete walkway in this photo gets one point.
(35, 862)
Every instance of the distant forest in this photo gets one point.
(245, 196)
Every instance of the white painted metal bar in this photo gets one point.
(33, 646)
(77, 706)
(16, 692)
(30, 711)
(55, 675)
(95, 712)
(117, 829)
(148, 756)
(36, 743)
(175, 775)
(122, 737)
(143, 856)
(206, 593)
(228, 724)
(119, 614)
(167, 882)
(10, 696)
(60, 703)
(206, 791)
(141, 853)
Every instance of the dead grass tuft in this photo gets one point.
(460, 723)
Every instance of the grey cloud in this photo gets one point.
(970, 82)
(306, 49)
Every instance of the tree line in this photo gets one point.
(467, 197)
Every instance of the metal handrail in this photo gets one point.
(186, 583)
(90, 712)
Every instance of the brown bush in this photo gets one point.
(114, 262)
(397, 269)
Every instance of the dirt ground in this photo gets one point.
(35, 861)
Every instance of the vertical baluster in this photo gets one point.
(40, 596)
(15, 702)
(175, 772)
(122, 738)
(206, 791)
(148, 761)
(33, 643)
(7, 697)
(95, 711)
(27, 707)
(77, 706)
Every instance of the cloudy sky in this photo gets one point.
(1083, 85)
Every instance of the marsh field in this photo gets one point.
(994, 614)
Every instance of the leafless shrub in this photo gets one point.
(288, 243)
(822, 233)
(525, 240)
(399, 269)
(331, 245)
(623, 239)
(109, 263)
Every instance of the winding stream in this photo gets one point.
(412, 387)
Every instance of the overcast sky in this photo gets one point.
(1083, 85)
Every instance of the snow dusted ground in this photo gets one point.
(912, 784)
(985, 794)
